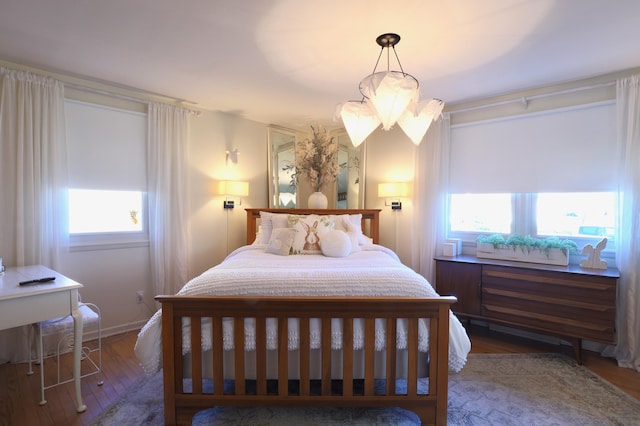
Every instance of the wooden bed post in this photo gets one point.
(168, 375)
(442, 365)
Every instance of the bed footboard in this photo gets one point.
(183, 398)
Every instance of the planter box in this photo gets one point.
(553, 257)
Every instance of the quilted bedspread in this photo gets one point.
(248, 271)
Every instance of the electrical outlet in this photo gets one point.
(139, 296)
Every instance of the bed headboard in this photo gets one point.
(370, 219)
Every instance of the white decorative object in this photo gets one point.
(336, 243)
(317, 200)
(233, 156)
(593, 260)
(457, 242)
(552, 256)
(449, 249)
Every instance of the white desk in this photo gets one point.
(23, 305)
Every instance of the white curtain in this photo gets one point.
(168, 134)
(627, 350)
(430, 197)
(33, 173)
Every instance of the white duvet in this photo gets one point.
(374, 271)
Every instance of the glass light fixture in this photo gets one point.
(359, 120)
(417, 118)
(388, 97)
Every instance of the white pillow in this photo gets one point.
(336, 244)
(309, 231)
(268, 222)
(280, 241)
(258, 239)
(352, 224)
(354, 233)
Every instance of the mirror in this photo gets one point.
(283, 191)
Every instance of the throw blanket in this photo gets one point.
(248, 271)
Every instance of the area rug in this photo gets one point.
(492, 389)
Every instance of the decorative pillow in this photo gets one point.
(258, 239)
(270, 221)
(336, 244)
(309, 231)
(280, 241)
(352, 224)
(354, 233)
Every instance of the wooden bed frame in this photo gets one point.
(182, 400)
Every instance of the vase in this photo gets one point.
(317, 200)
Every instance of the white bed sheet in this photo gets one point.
(248, 271)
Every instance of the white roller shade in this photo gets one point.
(106, 147)
(569, 150)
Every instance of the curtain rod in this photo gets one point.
(525, 99)
(144, 99)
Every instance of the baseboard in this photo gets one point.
(118, 329)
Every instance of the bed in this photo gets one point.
(306, 320)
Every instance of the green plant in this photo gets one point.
(529, 243)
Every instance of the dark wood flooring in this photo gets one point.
(20, 394)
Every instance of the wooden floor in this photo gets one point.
(20, 394)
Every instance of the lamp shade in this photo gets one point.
(389, 94)
(417, 118)
(235, 188)
(393, 189)
(359, 120)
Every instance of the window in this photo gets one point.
(480, 213)
(107, 175)
(584, 217)
(548, 173)
(100, 211)
(583, 214)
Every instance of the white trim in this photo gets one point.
(534, 113)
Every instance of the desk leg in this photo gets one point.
(77, 349)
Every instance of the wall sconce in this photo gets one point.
(392, 192)
(233, 156)
(232, 188)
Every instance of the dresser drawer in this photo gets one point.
(576, 305)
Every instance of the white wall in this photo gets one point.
(216, 231)
(391, 158)
(111, 279)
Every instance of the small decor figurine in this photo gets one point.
(593, 260)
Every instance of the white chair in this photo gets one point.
(63, 329)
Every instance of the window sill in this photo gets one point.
(106, 242)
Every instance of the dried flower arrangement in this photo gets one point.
(316, 159)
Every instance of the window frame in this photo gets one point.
(523, 207)
(83, 241)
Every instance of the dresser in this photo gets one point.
(565, 301)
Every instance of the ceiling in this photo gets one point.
(290, 62)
